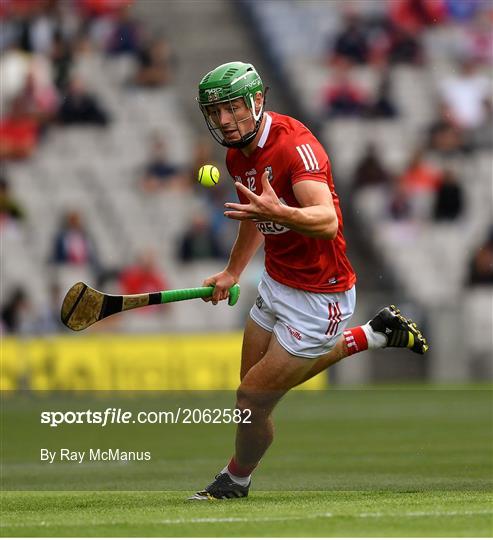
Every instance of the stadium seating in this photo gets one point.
(96, 169)
(429, 260)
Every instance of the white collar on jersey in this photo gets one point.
(265, 133)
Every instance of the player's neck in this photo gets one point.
(248, 150)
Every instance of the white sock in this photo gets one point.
(241, 480)
(376, 340)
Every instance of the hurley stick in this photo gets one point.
(83, 305)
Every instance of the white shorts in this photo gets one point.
(306, 324)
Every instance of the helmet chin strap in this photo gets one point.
(252, 107)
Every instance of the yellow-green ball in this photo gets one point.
(208, 175)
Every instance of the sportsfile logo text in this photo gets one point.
(113, 415)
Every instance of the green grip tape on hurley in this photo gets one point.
(198, 292)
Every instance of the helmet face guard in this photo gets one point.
(225, 85)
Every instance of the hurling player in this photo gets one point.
(298, 325)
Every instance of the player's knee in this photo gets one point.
(257, 401)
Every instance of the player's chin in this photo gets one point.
(232, 137)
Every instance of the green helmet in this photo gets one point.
(224, 84)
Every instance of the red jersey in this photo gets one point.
(291, 154)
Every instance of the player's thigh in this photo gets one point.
(328, 359)
(255, 344)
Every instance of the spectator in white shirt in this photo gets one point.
(465, 93)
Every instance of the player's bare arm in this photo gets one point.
(247, 242)
(316, 217)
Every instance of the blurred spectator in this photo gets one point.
(159, 173)
(400, 207)
(383, 106)
(17, 312)
(465, 94)
(414, 15)
(481, 266)
(370, 170)
(38, 100)
(18, 134)
(481, 138)
(461, 10)
(445, 136)
(404, 47)
(126, 34)
(351, 44)
(143, 276)
(14, 67)
(420, 175)
(449, 199)
(10, 209)
(154, 69)
(414, 190)
(102, 8)
(343, 97)
(35, 26)
(199, 241)
(73, 245)
(81, 107)
(392, 43)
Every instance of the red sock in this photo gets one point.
(355, 340)
(237, 470)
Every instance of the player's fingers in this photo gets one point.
(208, 282)
(220, 297)
(238, 206)
(219, 294)
(265, 182)
(240, 216)
(240, 187)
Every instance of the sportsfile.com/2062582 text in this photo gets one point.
(180, 415)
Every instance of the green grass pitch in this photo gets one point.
(385, 461)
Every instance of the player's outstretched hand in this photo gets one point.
(264, 207)
(222, 282)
